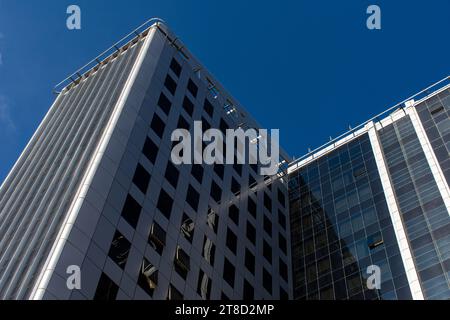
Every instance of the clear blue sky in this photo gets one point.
(309, 68)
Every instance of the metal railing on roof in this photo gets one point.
(77, 75)
(419, 96)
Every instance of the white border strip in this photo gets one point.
(405, 252)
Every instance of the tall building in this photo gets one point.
(377, 196)
(95, 188)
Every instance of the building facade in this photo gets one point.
(378, 196)
(96, 189)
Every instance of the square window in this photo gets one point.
(188, 106)
(182, 123)
(282, 219)
(148, 277)
(141, 178)
(197, 172)
(267, 281)
(209, 250)
(187, 227)
(106, 289)
(150, 150)
(192, 88)
(157, 237)
(251, 232)
(249, 291)
(235, 187)
(158, 125)
(182, 262)
(281, 198)
(282, 243)
(175, 67)
(267, 225)
(249, 261)
(173, 293)
(131, 211)
(229, 272)
(216, 191)
(164, 103)
(205, 124)
(165, 203)
(170, 84)
(233, 213)
(119, 250)
(251, 207)
(267, 251)
(212, 220)
(208, 108)
(192, 197)
(219, 169)
(283, 270)
(204, 285)
(231, 241)
(267, 202)
(172, 174)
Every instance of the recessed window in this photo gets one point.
(192, 88)
(283, 294)
(170, 84)
(282, 243)
(131, 211)
(187, 227)
(282, 219)
(192, 197)
(182, 262)
(164, 103)
(235, 186)
(229, 272)
(281, 198)
(251, 232)
(267, 280)
(188, 106)
(165, 203)
(267, 225)
(204, 286)
(233, 213)
(158, 125)
(267, 251)
(208, 108)
(173, 293)
(251, 181)
(223, 126)
(205, 124)
(267, 202)
(197, 172)
(231, 241)
(141, 178)
(106, 289)
(157, 237)
(212, 220)
(237, 167)
(283, 270)
(150, 150)
(216, 191)
(251, 206)
(249, 261)
(175, 67)
(172, 174)
(119, 250)
(248, 291)
(148, 277)
(219, 169)
(182, 123)
(209, 250)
